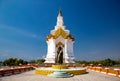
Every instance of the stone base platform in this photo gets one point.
(59, 67)
(47, 71)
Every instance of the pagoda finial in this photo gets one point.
(60, 23)
(60, 12)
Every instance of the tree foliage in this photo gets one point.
(16, 62)
(32, 61)
(13, 62)
(105, 62)
(40, 61)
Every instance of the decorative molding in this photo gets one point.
(60, 32)
(59, 44)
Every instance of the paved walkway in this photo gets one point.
(30, 76)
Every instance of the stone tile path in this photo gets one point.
(30, 76)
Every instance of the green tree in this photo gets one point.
(107, 62)
(82, 62)
(10, 62)
(21, 61)
(32, 61)
(40, 61)
(13, 62)
(1, 63)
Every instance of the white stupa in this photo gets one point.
(60, 37)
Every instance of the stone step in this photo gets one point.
(60, 74)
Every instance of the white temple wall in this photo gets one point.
(50, 58)
(66, 46)
(70, 49)
(67, 50)
(51, 46)
(69, 58)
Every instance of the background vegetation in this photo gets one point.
(16, 62)
(105, 62)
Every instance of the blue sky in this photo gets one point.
(95, 24)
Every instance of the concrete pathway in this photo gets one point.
(30, 76)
